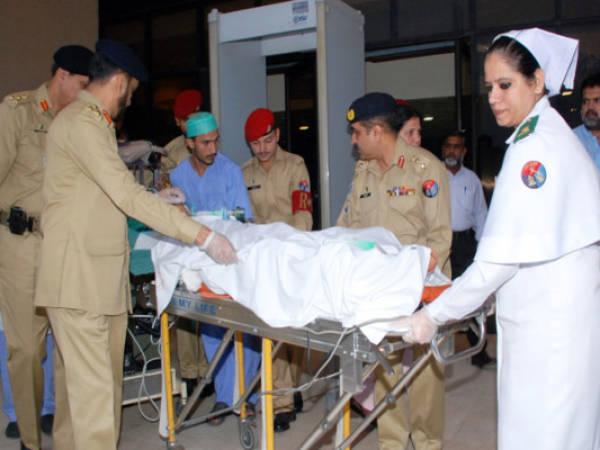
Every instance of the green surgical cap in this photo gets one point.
(201, 123)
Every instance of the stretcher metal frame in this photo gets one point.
(358, 358)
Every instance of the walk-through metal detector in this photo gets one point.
(239, 43)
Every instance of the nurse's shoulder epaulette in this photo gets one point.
(527, 128)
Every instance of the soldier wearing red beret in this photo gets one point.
(279, 190)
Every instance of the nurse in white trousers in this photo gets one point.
(539, 253)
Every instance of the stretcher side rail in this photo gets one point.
(321, 334)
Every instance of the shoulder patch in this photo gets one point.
(533, 174)
(18, 98)
(420, 163)
(98, 114)
(527, 128)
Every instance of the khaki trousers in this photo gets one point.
(88, 379)
(25, 329)
(287, 368)
(190, 351)
(418, 412)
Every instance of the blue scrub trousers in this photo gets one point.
(224, 375)
(7, 399)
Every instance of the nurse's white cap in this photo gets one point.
(556, 55)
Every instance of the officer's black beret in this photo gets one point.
(74, 58)
(121, 55)
(370, 105)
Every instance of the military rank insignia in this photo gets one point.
(107, 117)
(350, 115)
(527, 128)
(533, 174)
(44, 105)
(430, 188)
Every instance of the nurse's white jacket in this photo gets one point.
(539, 253)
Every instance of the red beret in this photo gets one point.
(186, 103)
(259, 122)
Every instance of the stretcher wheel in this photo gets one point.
(247, 435)
(174, 446)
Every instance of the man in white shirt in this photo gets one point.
(468, 211)
(589, 131)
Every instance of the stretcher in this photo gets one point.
(358, 358)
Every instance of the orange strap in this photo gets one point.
(430, 293)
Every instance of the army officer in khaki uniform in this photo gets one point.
(404, 189)
(24, 121)
(186, 103)
(279, 190)
(83, 271)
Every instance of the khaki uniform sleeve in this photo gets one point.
(350, 215)
(437, 217)
(176, 153)
(95, 153)
(9, 135)
(302, 219)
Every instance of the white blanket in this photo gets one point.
(289, 277)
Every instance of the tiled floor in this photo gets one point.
(470, 420)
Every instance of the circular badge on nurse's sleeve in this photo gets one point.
(533, 174)
(430, 188)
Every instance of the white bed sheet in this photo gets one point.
(289, 277)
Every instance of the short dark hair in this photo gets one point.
(102, 68)
(457, 133)
(405, 113)
(591, 81)
(516, 55)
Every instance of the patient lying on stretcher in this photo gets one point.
(289, 277)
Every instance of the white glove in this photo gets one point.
(422, 328)
(172, 195)
(219, 248)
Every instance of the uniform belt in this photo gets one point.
(33, 223)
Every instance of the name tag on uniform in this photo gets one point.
(255, 186)
(365, 195)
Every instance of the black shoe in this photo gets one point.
(218, 420)
(46, 422)
(482, 359)
(12, 431)
(298, 402)
(282, 421)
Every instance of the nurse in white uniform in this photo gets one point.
(539, 252)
